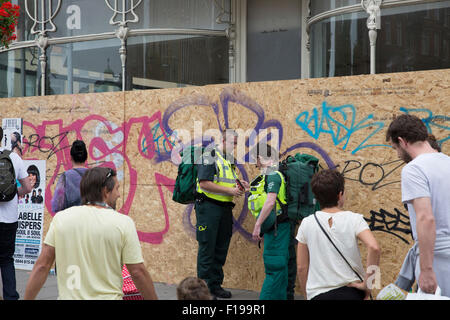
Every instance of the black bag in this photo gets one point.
(8, 185)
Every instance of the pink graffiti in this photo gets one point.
(58, 145)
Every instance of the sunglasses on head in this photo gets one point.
(109, 175)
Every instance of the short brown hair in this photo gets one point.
(326, 186)
(408, 127)
(263, 150)
(193, 288)
(93, 182)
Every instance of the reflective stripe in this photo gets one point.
(224, 176)
(199, 190)
(226, 180)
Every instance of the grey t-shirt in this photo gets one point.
(428, 175)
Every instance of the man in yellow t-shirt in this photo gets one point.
(92, 242)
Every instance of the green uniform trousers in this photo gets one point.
(292, 264)
(213, 232)
(276, 257)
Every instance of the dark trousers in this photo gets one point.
(7, 247)
(342, 293)
(213, 231)
(292, 262)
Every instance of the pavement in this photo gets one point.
(164, 291)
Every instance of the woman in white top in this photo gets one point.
(322, 271)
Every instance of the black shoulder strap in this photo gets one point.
(337, 248)
(81, 174)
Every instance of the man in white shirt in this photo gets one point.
(425, 190)
(8, 228)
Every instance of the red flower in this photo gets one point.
(4, 13)
(7, 5)
(9, 15)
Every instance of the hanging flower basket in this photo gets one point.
(9, 16)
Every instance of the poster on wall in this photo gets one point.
(12, 133)
(31, 217)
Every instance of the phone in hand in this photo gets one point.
(241, 186)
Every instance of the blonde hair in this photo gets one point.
(193, 288)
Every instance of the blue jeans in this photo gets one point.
(7, 247)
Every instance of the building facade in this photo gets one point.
(80, 46)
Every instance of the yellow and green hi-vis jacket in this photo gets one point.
(258, 196)
(225, 176)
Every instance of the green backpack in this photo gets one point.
(298, 171)
(186, 182)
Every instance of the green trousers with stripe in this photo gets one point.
(213, 232)
(276, 257)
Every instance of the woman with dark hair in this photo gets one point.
(33, 197)
(328, 255)
(33, 174)
(67, 191)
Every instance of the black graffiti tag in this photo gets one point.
(390, 223)
(371, 174)
(50, 145)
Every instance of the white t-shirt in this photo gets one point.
(428, 175)
(327, 269)
(8, 210)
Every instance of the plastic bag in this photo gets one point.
(391, 292)
(427, 296)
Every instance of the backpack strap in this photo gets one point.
(283, 217)
(65, 190)
(81, 174)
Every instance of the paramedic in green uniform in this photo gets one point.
(216, 188)
(276, 241)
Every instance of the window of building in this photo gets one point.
(19, 73)
(273, 40)
(410, 39)
(340, 46)
(176, 61)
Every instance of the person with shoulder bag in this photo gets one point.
(12, 169)
(67, 190)
(216, 188)
(328, 257)
(272, 223)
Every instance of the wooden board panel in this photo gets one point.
(342, 121)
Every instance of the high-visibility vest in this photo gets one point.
(225, 176)
(258, 196)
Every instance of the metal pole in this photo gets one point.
(372, 7)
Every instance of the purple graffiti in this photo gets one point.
(238, 98)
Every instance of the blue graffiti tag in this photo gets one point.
(326, 122)
(431, 121)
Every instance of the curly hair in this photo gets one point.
(408, 127)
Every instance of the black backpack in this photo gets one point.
(8, 185)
